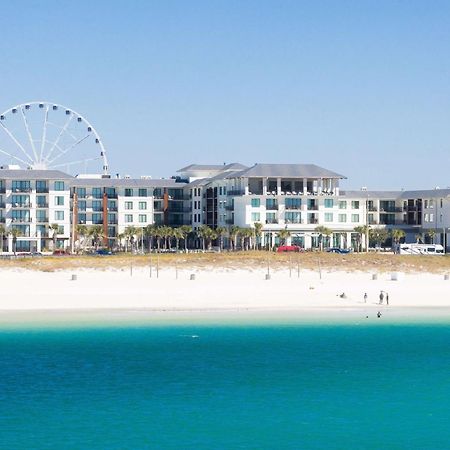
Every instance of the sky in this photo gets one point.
(357, 87)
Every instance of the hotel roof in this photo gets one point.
(127, 182)
(210, 167)
(31, 174)
(288, 171)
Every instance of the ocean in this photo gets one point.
(374, 385)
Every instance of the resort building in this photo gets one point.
(40, 209)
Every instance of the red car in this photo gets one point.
(289, 248)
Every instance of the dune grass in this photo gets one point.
(252, 260)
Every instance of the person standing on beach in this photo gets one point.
(381, 297)
(365, 297)
(387, 299)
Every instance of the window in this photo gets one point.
(220, 190)
(41, 201)
(431, 203)
(128, 205)
(97, 219)
(59, 185)
(59, 215)
(59, 200)
(441, 202)
(20, 200)
(425, 217)
(342, 204)
(112, 205)
(431, 217)
(82, 218)
(128, 218)
(41, 186)
(128, 192)
(60, 229)
(21, 186)
(328, 217)
(41, 215)
(293, 203)
(111, 218)
(142, 205)
(292, 217)
(81, 192)
(328, 203)
(82, 205)
(355, 204)
(97, 205)
(256, 217)
(97, 192)
(271, 218)
(142, 192)
(271, 203)
(342, 218)
(142, 218)
(256, 202)
(355, 217)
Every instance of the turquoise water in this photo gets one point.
(233, 387)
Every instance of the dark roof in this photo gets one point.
(127, 182)
(288, 171)
(209, 167)
(31, 174)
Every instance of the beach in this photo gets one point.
(218, 289)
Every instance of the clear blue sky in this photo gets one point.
(358, 87)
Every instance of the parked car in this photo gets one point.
(289, 248)
(59, 252)
(103, 251)
(342, 251)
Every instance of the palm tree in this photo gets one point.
(15, 233)
(397, 235)
(2, 236)
(82, 232)
(120, 238)
(233, 233)
(166, 234)
(185, 230)
(95, 232)
(419, 238)
(150, 231)
(130, 236)
(203, 234)
(283, 235)
(221, 232)
(379, 235)
(178, 234)
(431, 234)
(361, 230)
(258, 233)
(158, 235)
(323, 231)
(55, 228)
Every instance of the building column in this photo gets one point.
(319, 186)
(305, 186)
(278, 186)
(264, 180)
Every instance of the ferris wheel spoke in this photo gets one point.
(61, 133)
(30, 137)
(11, 135)
(44, 133)
(15, 157)
(67, 149)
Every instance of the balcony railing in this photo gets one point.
(235, 192)
(97, 208)
(293, 206)
(229, 207)
(271, 221)
(43, 190)
(21, 205)
(22, 190)
(42, 219)
(2, 219)
(42, 205)
(372, 208)
(21, 220)
(272, 207)
(2, 205)
(313, 221)
(112, 208)
(2, 190)
(392, 209)
(313, 207)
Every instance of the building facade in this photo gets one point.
(296, 197)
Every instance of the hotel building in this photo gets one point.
(296, 197)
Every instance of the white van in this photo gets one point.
(420, 249)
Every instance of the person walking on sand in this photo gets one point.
(387, 299)
(381, 297)
(365, 297)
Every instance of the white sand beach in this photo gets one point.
(27, 290)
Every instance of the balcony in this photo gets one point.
(179, 210)
(2, 219)
(229, 207)
(42, 205)
(313, 221)
(42, 190)
(24, 189)
(112, 208)
(42, 219)
(271, 221)
(97, 209)
(2, 205)
(229, 222)
(313, 207)
(372, 208)
(21, 205)
(392, 209)
(21, 220)
(272, 207)
(2, 190)
(290, 207)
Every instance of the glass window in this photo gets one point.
(342, 204)
(41, 201)
(328, 203)
(355, 217)
(59, 200)
(142, 205)
(128, 218)
(97, 205)
(82, 218)
(128, 205)
(256, 202)
(293, 203)
(292, 217)
(342, 218)
(21, 186)
(271, 203)
(82, 205)
(59, 215)
(271, 218)
(59, 185)
(41, 215)
(256, 217)
(111, 218)
(97, 192)
(142, 192)
(128, 192)
(355, 204)
(142, 218)
(60, 229)
(110, 192)
(81, 192)
(328, 217)
(41, 186)
(97, 219)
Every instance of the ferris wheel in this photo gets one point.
(43, 135)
